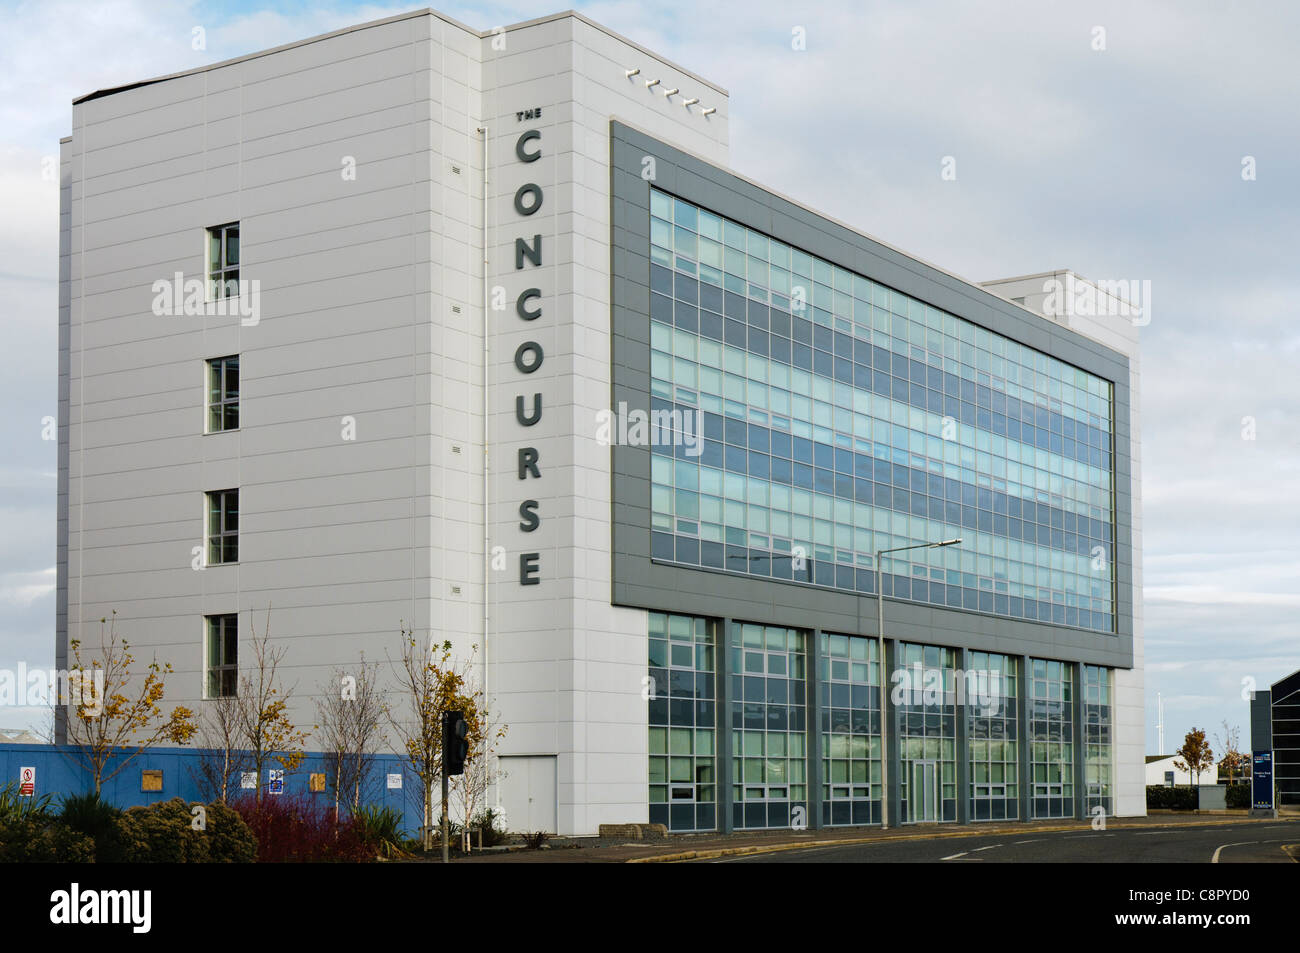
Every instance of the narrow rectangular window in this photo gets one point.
(223, 261)
(222, 658)
(223, 526)
(223, 393)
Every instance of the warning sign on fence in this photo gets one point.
(26, 781)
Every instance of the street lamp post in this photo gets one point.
(880, 663)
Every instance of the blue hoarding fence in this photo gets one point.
(175, 772)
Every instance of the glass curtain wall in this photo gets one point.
(850, 724)
(680, 691)
(768, 666)
(840, 417)
(1051, 738)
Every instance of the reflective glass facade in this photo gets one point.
(771, 771)
(768, 725)
(1097, 738)
(841, 417)
(992, 739)
(849, 683)
(1051, 738)
(927, 732)
(680, 690)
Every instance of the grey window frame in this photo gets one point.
(220, 268)
(221, 539)
(218, 410)
(228, 669)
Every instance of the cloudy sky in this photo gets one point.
(1124, 162)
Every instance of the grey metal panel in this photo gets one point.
(637, 581)
(1025, 771)
(1261, 721)
(813, 731)
(891, 794)
(1080, 767)
(962, 754)
(721, 657)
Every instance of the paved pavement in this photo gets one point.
(1157, 838)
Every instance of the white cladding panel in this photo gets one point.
(354, 166)
(566, 666)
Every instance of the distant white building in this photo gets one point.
(1162, 770)
(19, 737)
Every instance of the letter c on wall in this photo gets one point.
(522, 141)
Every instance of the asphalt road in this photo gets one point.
(1221, 844)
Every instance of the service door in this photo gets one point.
(528, 793)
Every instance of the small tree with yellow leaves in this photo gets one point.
(469, 790)
(429, 684)
(1195, 755)
(116, 713)
(269, 736)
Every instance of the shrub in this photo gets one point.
(230, 840)
(296, 830)
(1238, 796)
(1160, 797)
(536, 839)
(161, 833)
(91, 815)
(13, 805)
(486, 821)
(39, 837)
(381, 830)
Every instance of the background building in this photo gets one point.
(1275, 741)
(1161, 770)
(468, 248)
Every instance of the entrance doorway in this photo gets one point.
(923, 793)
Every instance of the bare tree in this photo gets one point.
(265, 730)
(221, 759)
(1233, 761)
(351, 711)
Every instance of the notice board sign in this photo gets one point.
(1261, 780)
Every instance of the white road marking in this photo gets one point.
(1154, 833)
(990, 847)
(1035, 841)
(1215, 859)
(955, 856)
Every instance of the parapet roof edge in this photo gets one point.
(427, 11)
(1041, 274)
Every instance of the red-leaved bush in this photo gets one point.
(296, 830)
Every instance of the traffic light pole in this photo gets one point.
(455, 749)
(446, 847)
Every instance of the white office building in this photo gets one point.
(375, 330)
